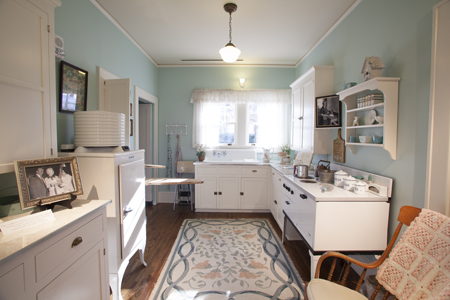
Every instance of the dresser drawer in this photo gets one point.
(50, 258)
(208, 171)
(12, 283)
(254, 171)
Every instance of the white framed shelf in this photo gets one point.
(365, 126)
(367, 107)
(389, 87)
(365, 144)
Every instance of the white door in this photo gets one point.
(117, 99)
(254, 193)
(26, 110)
(438, 169)
(308, 99)
(206, 193)
(297, 119)
(229, 193)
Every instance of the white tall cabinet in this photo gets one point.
(316, 82)
(27, 80)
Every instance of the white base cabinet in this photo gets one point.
(46, 264)
(276, 202)
(231, 188)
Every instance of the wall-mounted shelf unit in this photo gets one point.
(389, 109)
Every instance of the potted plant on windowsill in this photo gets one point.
(285, 158)
(200, 152)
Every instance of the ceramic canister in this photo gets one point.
(339, 178)
(349, 183)
(360, 187)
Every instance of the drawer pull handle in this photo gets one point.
(254, 171)
(279, 179)
(220, 193)
(77, 241)
(303, 196)
(127, 210)
(287, 202)
(215, 193)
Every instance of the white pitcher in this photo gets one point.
(267, 154)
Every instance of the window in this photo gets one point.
(241, 118)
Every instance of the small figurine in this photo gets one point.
(355, 121)
(373, 67)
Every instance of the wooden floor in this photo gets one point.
(163, 225)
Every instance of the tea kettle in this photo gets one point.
(322, 167)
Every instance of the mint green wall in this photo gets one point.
(175, 90)
(91, 40)
(399, 32)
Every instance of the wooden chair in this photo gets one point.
(318, 289)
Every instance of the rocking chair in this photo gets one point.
(417, 268)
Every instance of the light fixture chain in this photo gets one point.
(230, 27)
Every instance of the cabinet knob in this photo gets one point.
(242, 193)
(284, 185)
(292, 192)
(303, 196)
(288, 189)
(275, 201)
(220, 193)
(77, 241)
(300, 118)
(287, 202)
(215, 193)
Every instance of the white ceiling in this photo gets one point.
(267, 32)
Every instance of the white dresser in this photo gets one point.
(44, 263)
(119, 177)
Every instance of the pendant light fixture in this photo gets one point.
(230, 53)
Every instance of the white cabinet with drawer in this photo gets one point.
(66, 259)
(231, 188)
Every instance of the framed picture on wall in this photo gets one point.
(73, 88)
(328, 111)
(45, 181)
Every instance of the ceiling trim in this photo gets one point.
(229, 65)
(329, 31)
(123, 31)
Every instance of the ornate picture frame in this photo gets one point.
(73, 88)
(328, 111)
(45, 181)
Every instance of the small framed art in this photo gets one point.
(328, 111)
(73, 88)
(45, 181)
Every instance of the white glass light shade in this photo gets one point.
(229, 53)
(241, 82)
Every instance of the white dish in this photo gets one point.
(365, 139)
(370, 117)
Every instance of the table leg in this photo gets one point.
(314, 261)
(176, 196)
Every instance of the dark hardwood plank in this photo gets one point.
(163, 225)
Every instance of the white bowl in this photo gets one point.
(365, 139)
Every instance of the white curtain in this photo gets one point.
(273, 114)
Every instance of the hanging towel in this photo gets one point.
(177, 157)
(169, 158)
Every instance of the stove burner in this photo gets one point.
(308, 181)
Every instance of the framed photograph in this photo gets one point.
(45, 181)
(73, 88)
(328, 111)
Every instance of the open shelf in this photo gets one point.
(389, 87)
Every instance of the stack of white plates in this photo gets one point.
(99, 128)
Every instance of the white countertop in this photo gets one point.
(17, 243)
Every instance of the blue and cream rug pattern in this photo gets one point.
(228, 259)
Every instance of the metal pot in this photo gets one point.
(301, 171)
(326, 176)
(320, 167)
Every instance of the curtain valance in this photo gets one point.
(241, 96)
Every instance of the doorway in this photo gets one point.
(146, 118)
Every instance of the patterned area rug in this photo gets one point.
(228, 259)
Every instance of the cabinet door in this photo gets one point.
(308, 99)
(229, 192)
(85, 279)
(25, 84)
(206, 193)
(254, 193)
(297, 119)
